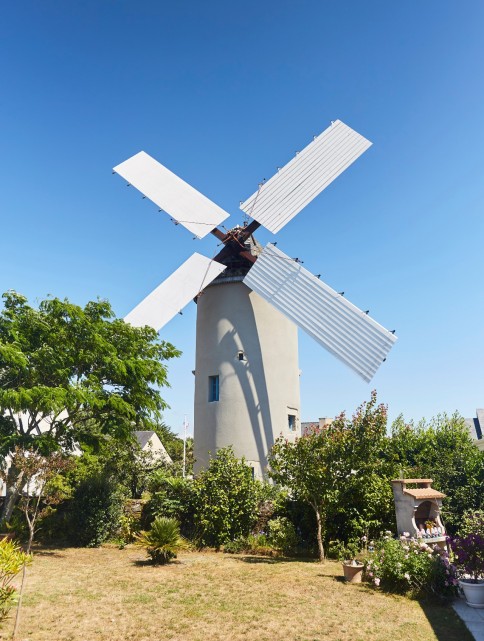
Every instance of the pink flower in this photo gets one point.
(376, 581)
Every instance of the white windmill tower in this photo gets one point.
(251, 301)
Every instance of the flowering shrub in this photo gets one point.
(410, 566)
(469, 555)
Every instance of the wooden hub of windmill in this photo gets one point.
(239, 252)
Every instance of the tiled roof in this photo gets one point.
(412, 481)
(424, 493)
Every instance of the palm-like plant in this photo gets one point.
(163, 541)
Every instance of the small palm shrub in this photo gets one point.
(163, 541)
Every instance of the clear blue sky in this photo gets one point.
(223, 93)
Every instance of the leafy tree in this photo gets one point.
(307, 468)
(226, 497)
(364, 502)
(37, 472)
(337, 470)
(442, 449)
(71, 375)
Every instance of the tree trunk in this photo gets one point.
(319, 534)
(14, 485)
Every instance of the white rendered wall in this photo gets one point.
(256, 394)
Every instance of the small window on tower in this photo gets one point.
(241, 356)
(213, 388)
(291, 422)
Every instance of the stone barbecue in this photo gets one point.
(417, 508)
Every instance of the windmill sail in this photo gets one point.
(335, 323)
(185, 204)
(169, 298)
(295, 185)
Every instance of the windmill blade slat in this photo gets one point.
(169, 298)
(185, 204)
(339, 326)
(305, 176)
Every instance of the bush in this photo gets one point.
(95, 510)
(251, 544)
(411, 567)
(343, 552)
(12, 560)
(282, 535)
(163, 541)
(173, 497)
(226, 499)
(472, 523)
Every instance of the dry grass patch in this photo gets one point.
(108, 594)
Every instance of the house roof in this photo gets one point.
(143, 437)
(476, 425)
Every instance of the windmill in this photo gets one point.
(250, 300)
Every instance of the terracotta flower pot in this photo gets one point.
(473, 592)
(353, 573)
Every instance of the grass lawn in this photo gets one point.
(108, 594)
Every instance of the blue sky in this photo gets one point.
(223, 93)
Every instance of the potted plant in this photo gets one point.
(469, 559)
(352, 565)
(353, 571)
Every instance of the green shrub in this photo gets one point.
(237, 546)
(343, 552)
(226, 499)
(282, 535)
(472, 523)
(12, 560)
(95, 510)
(251, 544)
(411, 567)
(173, 497)
(163, 541)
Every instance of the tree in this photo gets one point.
(337, 469)
(442, 449)
(226, 499)
(364, 504)
(37, 472)
(71, 375)
(307, 469)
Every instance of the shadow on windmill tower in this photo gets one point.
(251, 301)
